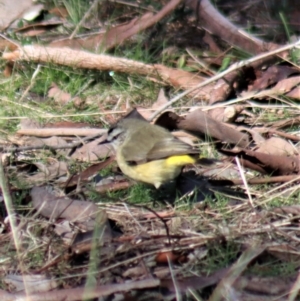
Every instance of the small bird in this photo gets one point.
(149, 153)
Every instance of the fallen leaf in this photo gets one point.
(200, 124)
(93, 151)
(266, 163)
(87, 174)
(276, 146)
(255, 135)
(271, 76)
(37, 28)
(34, 283)
(286, 84)
(160, 101)
(295, 93)
(49, 171)
(225, 114)
(284, 252)
(29, 124)
(58, 95)
(11, 10)
(64, 230)
(220, 91)
(83, 213)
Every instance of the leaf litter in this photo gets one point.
(219, 234)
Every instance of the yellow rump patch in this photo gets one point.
(180, 160)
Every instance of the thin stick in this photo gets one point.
(244, 181)
(234, 67)
(64, 146)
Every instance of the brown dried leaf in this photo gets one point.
(284, 252)
(271, 76)
(93, 151)
(58, 95)
(34, 283)
(50, 171)
(276, 146)
(105, 40)
(265, 285)
(118, 34)
(82, 213)
(255, 135)
(7, 45)
(220, 91)
(286, 84)
(11, 10)
(64, 230)
(292, 209)
(160, 101)
(29, 124)
(225, 114)
(265, 163)
(88, 173)
(37, 28)
(185, 137)
(295, 93)
(39, 142)
(200, 124)
(184, 80)
(7, 72)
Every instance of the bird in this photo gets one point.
(149, 153)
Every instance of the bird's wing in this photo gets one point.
(137, 152)
(154, 145)
(169, 147)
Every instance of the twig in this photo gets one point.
(46, 132)
(215, 22)
(26, 106)
(232, 68)
(244, 181)
(73, 294)
(255, 181)
(70, 115)
(65, 146)
(295, 289)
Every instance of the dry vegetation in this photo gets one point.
(224, 78)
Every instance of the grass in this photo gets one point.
(140, 194)
(273, 267)
(221, 255)
(76, 9)
(95, 94)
